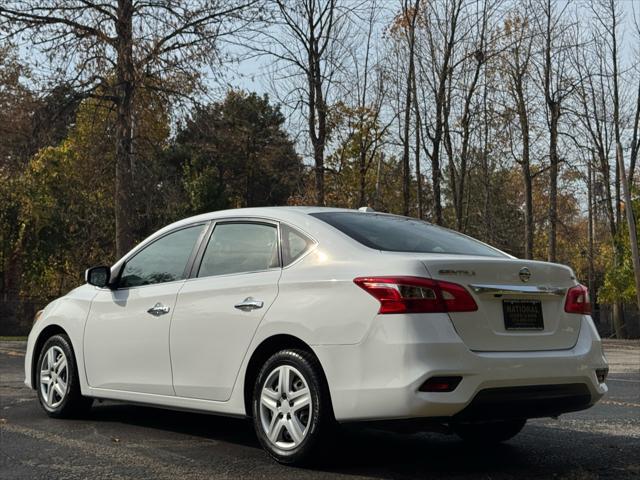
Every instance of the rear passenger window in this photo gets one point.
(294, 244)
(240, 247)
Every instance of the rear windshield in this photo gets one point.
(402, 234)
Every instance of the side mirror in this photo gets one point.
(98, 276)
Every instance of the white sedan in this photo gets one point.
(303, 318)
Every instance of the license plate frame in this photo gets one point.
(520, 314)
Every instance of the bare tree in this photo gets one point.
(605, 120)
(111, 50)
(556, 84)
(418, 144)
(635, 136)
(308, 39)
(475, 55)
(517, 67)
(409, 17)
(370, 104)
(612, 30)
(436, 63)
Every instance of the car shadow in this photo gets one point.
(352, 450)
(227, 429)
(542, 450)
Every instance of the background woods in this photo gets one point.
(517, 122)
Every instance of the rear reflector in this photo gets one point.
(417, 295)
(440, 384)
(601, 374)
(578, 300)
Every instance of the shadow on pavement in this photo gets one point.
(540, 451)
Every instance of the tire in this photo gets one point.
(57, 382)
(489, 432)
(291, 425)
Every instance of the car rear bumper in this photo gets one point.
(379, 378)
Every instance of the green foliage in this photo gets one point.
(16, 105)
(57, 214)
(236, 154)
(58, 205)
(357, 167)
(493, 213)
(619, 281)
(62, 200)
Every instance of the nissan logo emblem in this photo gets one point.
(524, 274)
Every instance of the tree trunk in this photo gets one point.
(525, 162)
(435, 152)
(318, 147)
(466, 139)
(553, 180)
(448, 148)
(376, 198)
(528, 210)
(631, 223)
(417, 151)
(486, 177)
(435, 173)
(363, 178)
(590, 228)
(317, 109)
(318, 156)
(617, 315)
(364, 143)
(406, 174)
(619, 321)
(553, 104)
(125, 73)
(417, 162)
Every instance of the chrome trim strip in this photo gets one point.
(518, 289)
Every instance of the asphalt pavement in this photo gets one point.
(125, 441)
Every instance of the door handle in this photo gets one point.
(249, 304)
(158, 309)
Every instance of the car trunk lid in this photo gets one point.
(511, 295)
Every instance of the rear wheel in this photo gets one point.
(57, 380)
(291, 408)
(489, 432)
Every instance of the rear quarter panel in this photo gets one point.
(318, 301)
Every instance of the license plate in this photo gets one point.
(522, 314)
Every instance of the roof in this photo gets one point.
(279, 213)
(297, 216)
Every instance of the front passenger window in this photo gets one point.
(240, 247)
(165, 260)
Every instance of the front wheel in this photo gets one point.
(57, 380)
(489, 432)
(291, 407)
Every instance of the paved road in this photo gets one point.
(124, 441)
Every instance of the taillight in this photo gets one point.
(578, 300)
(417, 295)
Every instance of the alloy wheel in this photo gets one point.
(54, 377)
(285, 407)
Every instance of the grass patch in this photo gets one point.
(4, 338)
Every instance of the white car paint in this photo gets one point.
(207, 330)
(125, 348)
(561, 328)
(197, 357)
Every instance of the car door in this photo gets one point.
(126, 339)
(220, 308)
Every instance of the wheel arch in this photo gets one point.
(268, 347)
(46, 333)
